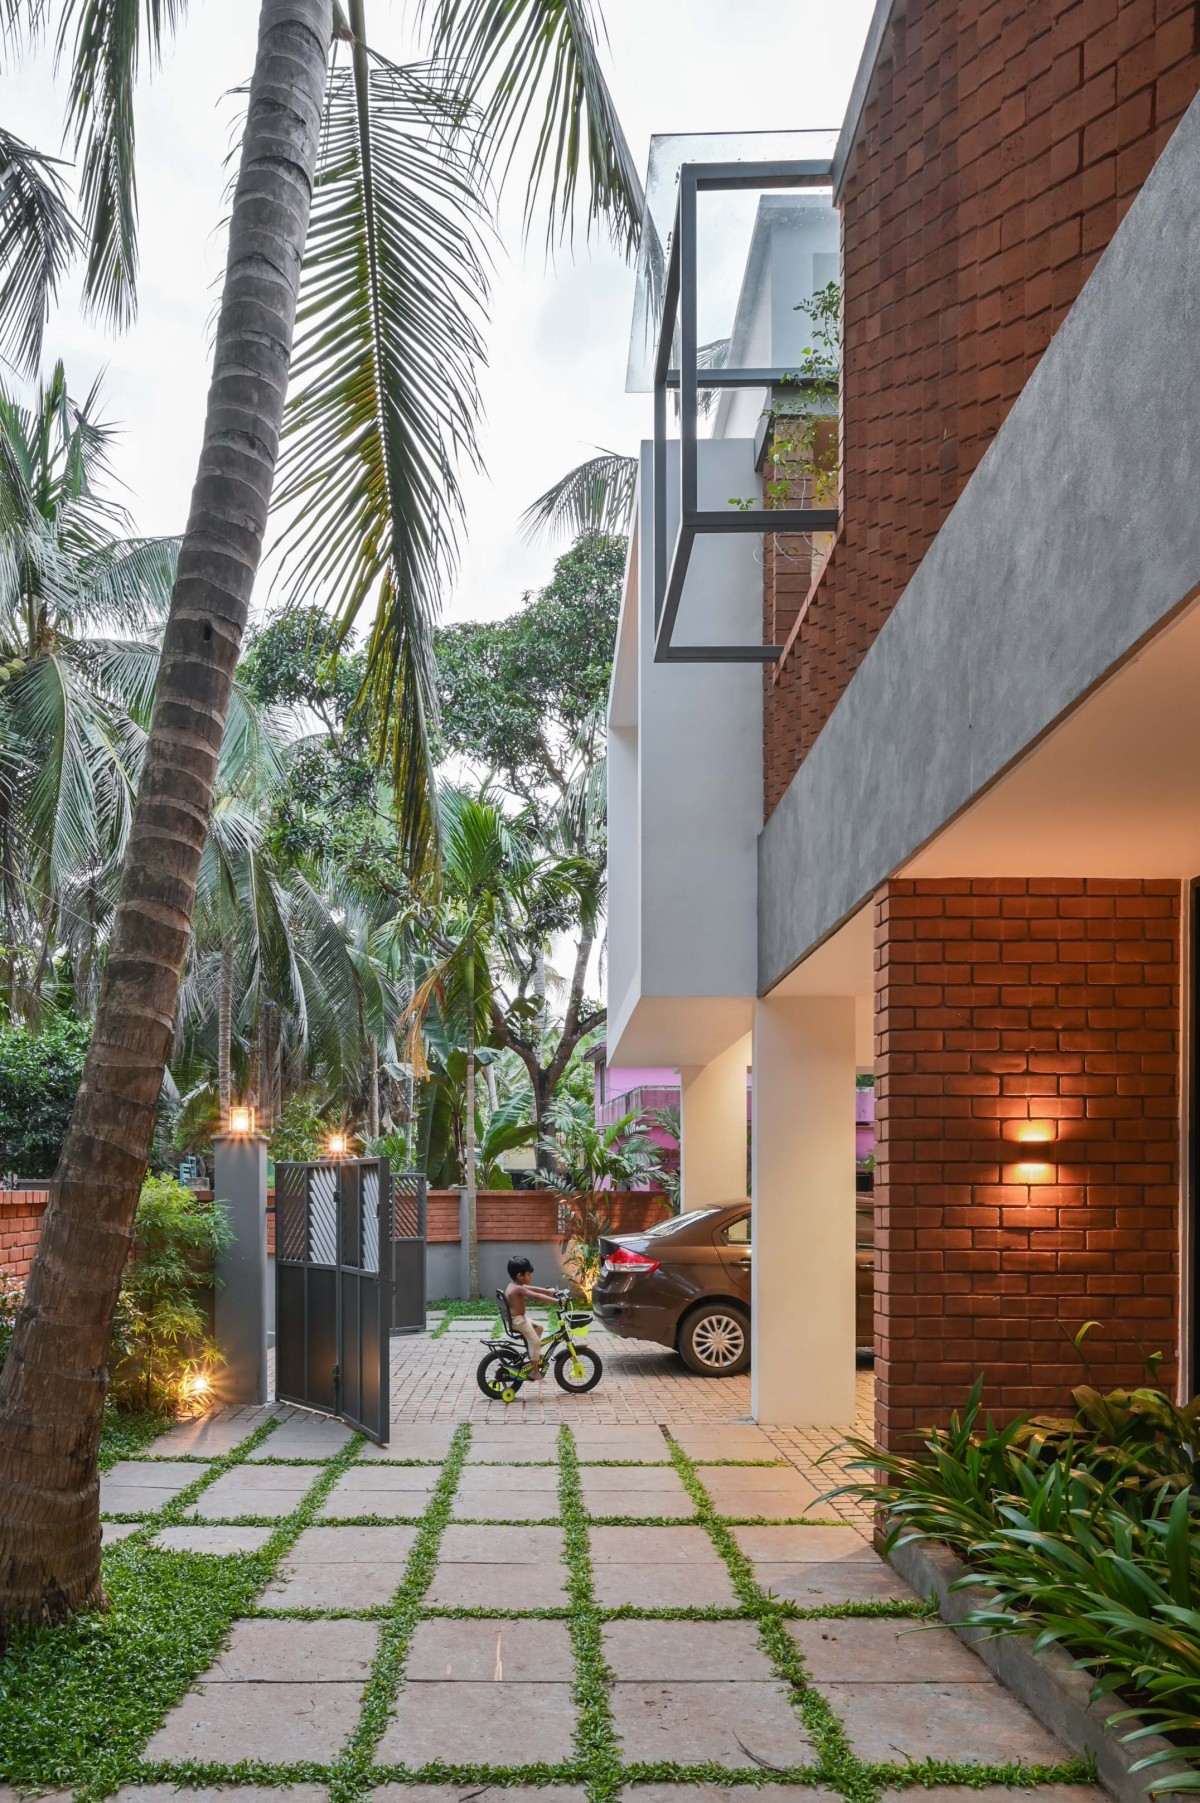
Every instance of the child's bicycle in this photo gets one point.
(505, 1366)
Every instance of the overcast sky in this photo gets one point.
(555, 383)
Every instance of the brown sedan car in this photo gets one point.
(686, 1284)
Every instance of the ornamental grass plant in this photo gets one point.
(1084, 1532)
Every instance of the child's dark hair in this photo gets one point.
(519, 1266)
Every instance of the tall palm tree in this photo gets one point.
(82, 603)
(38, 241)
(51, 1391)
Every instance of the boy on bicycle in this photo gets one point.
(518, 1293)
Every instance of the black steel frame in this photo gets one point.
(410, 1197)
(679, 303)
(333, 1289)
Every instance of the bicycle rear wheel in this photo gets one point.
(497, 1379)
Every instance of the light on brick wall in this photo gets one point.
(1039, 1135)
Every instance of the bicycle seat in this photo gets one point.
(505, 1314)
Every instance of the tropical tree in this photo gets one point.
(82, 602)
(587, 1163)
(375, 427)
(38, 241)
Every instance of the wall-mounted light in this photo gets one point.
(338, 1145)
(241, 1120)
(1033, 1133)
(1035, 1139)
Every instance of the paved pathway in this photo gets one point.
(637, 1608)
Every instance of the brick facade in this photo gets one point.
(1001, 144)
(1003, 1001)
(533, 1215)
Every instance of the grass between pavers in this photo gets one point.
(124, 1435)
(79, 1702)
(93, 1692)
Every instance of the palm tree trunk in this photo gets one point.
(225, 1026)
(373, 1093)
(52, 1388)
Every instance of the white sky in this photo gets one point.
(555, 383)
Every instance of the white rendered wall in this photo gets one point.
(802, 1313)
(683, 886)
(713, 1128)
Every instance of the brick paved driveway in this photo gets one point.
(635, 1594)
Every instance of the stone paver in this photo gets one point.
(268, 1490)
(352, 1584)
(497, 1652)
(218, 1541)
(976, 1724)
(652, 1546)
(1001, 1793)
(143, 1486)
(294, 1652)
(687, 1652)
(502, 1480)
(699, 1586)
(731, 1723)
(350, 1497)
(457, 1586)
(734, 1793)
(303, 1437)
(774, 1495)
(112, 1531)
(788, 1545)
(463, 1544)
(506, 1505)
(468, 1793)
(280, 1724)
(212, 1436)
(353, 1545)
(215, 1793)
(475, 1724)
(885, 1652)
(814, 1586)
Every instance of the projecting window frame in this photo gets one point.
(679, 305)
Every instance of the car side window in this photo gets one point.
(738, 1232)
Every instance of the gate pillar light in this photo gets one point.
(242, 1313)
(241, 1120)
(339, 1145)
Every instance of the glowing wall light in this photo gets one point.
(241, 1120)
(338, 1145)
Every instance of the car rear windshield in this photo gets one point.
(676, 1222)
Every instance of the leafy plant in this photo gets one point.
(162, 1341)
(10, 1302)
(39, 1075)
(1085, 1532)
(591, 1162)
(302, 1130)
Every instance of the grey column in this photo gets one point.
(240, 1182)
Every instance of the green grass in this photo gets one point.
(79, 1703)
(123, 1436)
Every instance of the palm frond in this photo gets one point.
(385, 395)
(38, 239)
(516, 53)
(110, 37)
(596, 496)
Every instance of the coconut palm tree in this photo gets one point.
(82, 603)
(399, 426)
(38, 241)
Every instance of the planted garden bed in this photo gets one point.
(1081, 1535)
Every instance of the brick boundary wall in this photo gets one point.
(999, 1001)
(21, 1212)
(533, 1215)
(999, 149)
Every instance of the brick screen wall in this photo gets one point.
(1001, 1001)
(506, 1214)
(1000, 146)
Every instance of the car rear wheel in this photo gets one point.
(715, 1340)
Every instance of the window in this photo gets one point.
(676, 1222)
(738, 1232)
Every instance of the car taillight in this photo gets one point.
(621, 1258)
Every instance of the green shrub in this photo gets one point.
(1085, 1532)
(302, 1130)
(39, 1075)
(162, 1340)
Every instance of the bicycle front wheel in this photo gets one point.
(578, 1370)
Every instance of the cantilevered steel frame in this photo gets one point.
(679, 303)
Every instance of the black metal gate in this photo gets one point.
(409, 1191)
(333, 1264)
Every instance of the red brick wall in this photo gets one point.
(506, 1214)
(1001, 144)
(1006, 1000)
(21, 1212)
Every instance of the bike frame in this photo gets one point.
(516, 1349)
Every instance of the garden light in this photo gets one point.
(338, 1145)
(241, 1120)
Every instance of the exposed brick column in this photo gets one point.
(1008, 1000)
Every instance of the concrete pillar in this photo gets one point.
(712, 1142)
(242, 1304)
(802, 1374)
